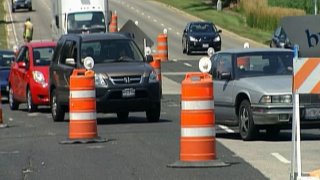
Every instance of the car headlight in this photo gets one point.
(191, 38)
(276, 99)
(217, 39)
(100, 79)
(38, 77)
(153, 77)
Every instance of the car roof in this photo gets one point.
(101, 36)
(254, 50)
(45, 43)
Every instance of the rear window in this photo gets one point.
(6, 59)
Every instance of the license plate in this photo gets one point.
(205, 45)
(128, 92)
(312, 113)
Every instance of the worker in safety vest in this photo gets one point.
(28, 30)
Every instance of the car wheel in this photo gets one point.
(188, 48)
(247, 128)
(14, 105)
(30, 8)
(273, 131)
(123, 116)
(153, 115)
(57, 110)
(30, 106)
(13, 9)
(183, 48)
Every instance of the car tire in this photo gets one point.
(30, 8)
(14, 105)
(57, 110)
(188, 51)
(122, 116)
(153, 115)
(13, 10)
(247, 128)
(30, 106)
(183, 48)
(273, 131)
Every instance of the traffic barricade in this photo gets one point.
(113, 27)
(162, 46)
(156, 64)
(197, 141)
(2, 125)
(82, 107)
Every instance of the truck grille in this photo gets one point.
(310, 99)
(126, 79)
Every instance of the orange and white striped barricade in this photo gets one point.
(197, 141)
(162, 46)
(113, 27)
(305, 81)
(82, 107)
(2, 125)
(156, 64)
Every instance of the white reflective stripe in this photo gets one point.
(162, 43)
(162, 51)
(83, 116)
(83, 94)
(197, 105)
(198, 132)
(311, 81)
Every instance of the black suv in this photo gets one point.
(125, 82)
(21, 4)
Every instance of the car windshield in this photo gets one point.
(264, 64)
(6, 59)
(86, 21)
(201, 28)
(111, 51)
(42, 56)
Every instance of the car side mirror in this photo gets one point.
(57, 21)
(225, 75)
(149, 58)
(70, 61)
(22, 64)
(219, 31)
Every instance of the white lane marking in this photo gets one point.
(175, 60)
(162, 24)
(281, 158)
(142, 13)
(170, 28)
(154, 20)
(225, 128)
(14, 29)
(187, 64)
(12, 152)
(10, 119)
(149, 17)
(178, 33)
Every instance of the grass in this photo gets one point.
(3, 34)
(226, 19)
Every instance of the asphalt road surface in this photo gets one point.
(30, 148)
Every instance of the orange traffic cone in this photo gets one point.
(113, 27)
(197, 141)
(82, 107)
(162, 47)
(2, 125)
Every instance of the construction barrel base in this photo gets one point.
(84, 141)
(198, 164)
(3, 125)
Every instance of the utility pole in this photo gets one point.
(315, 7)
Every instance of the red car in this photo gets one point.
(29, 74)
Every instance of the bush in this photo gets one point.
(306, 5)
(259, 15)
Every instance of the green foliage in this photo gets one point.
(306, 5)
(3, 35)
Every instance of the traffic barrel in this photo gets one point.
(2, 125)
(82, 108)
(162, 46)
(113, 27)
(197, 119)
(156, 64)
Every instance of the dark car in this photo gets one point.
(125, 82)
(21, 4)
(199, 36)
(280, 39)
(6, 58)
(253, 90)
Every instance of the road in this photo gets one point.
(30, 147)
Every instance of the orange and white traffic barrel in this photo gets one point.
(197, 138)
(162, 46)
(82, 108)
(2, 125)
(156, 64)
(113, 27)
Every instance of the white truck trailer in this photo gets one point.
(79, 16)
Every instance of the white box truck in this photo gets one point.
(79, 16)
